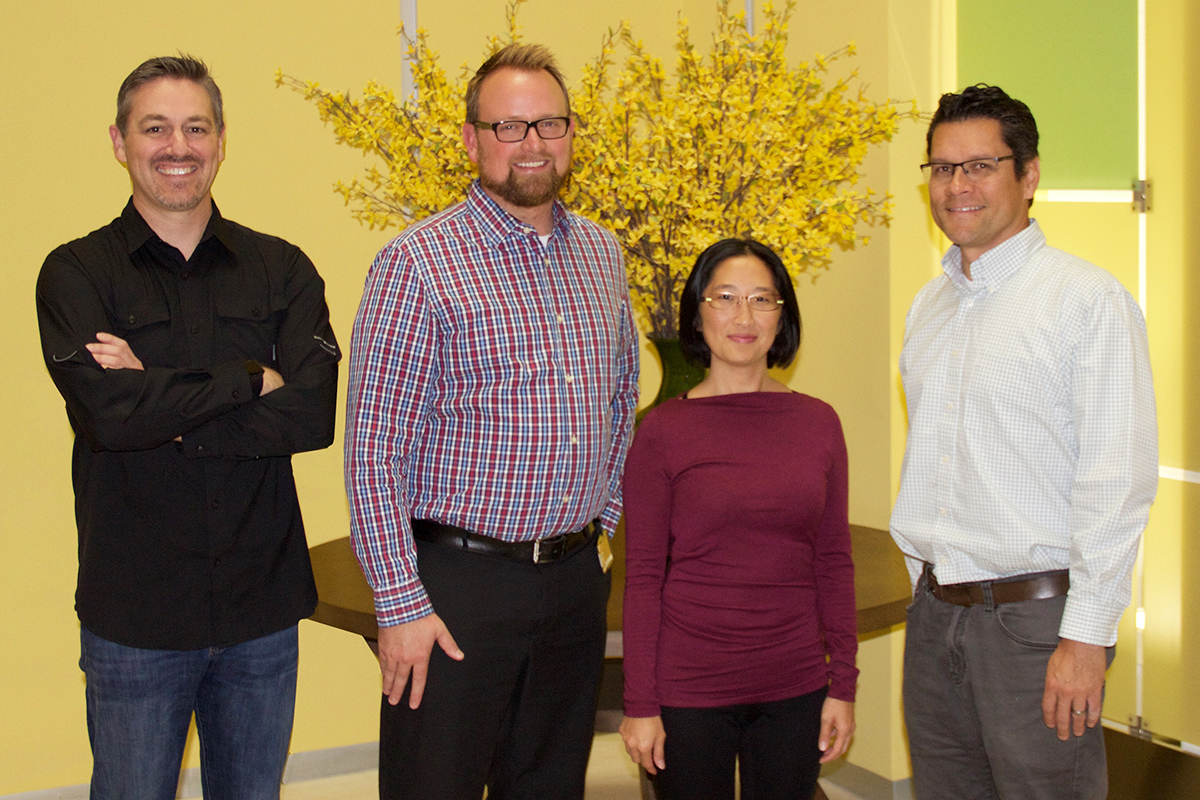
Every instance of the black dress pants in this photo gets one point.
(517, 713)
(774, 745)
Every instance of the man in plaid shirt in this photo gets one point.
(493, 384)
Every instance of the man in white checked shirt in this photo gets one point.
(493, 383)
(1031, 464)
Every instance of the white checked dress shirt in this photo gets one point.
(1032, 440)
(493, 380)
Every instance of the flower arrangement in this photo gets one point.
(737, 143)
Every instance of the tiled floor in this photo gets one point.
(611, 776)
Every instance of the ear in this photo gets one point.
(1029, 181)
(470, 137)
(221, 146)
(118, 143)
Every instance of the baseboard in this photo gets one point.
(866, 784)
(314, 764)
(306, 766)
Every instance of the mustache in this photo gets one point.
(176, 160)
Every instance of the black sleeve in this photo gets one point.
(301, 415)
(120, 409)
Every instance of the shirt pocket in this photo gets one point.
(145, 324)
(248, 326)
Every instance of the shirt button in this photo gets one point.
(185, 275)
(574, 440)
(199, 448)
(570, 379)
(194, 329)
(236, 394)
(566, 498)
(954, 352)
(215, 503)
(945, 459)
(561, 319)
(949, 406)
(942, 511)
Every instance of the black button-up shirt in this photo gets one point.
(198, 542)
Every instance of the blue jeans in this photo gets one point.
(139, 704)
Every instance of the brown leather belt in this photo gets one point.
(1035, 586)
(539, 551)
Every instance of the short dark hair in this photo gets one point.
(182, 67)
(523, 57)
(691, 338)
(1017, 126)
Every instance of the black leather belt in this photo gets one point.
(539, 551)
(1035, 586)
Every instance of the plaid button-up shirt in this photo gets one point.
(493, 380)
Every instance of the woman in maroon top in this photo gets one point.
(739, 590)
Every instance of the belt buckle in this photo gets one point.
(555, 546)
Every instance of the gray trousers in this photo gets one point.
(973, 684)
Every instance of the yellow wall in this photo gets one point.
(63, 62)
(1172, 636)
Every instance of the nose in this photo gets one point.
(178, 143)
(958, 178)
(742, 311)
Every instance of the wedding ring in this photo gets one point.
(1078, 713)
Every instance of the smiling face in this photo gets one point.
(523, 177)
(171, 147)
(979, 215)
(739, 338)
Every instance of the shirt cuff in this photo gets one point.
(402, 604)
(1089, 623)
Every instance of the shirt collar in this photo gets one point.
(137, 231)
(498, 224)
(997, 265)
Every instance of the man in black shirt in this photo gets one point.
(195, 356)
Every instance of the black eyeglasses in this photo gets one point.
(976, 170)
(515, 130)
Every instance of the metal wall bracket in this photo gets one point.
(1136, 729)
(1141, 196)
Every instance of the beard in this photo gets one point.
(184, 198)
(525, 192)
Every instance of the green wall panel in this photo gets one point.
(1074, 62)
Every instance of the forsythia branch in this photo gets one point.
(734, 143)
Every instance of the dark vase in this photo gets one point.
(678, 373)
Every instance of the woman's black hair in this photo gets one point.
(691, 339)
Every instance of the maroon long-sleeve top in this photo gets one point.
(738, 579)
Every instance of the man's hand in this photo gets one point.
(837, 728)
(1074, 680)
(272, 380)
(405, 648)
(112, 352)
(644, 737)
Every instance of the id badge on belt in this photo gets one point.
(604, 549)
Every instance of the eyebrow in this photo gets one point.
(732, 286)
(163, 118)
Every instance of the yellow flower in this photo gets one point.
(733, 143)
